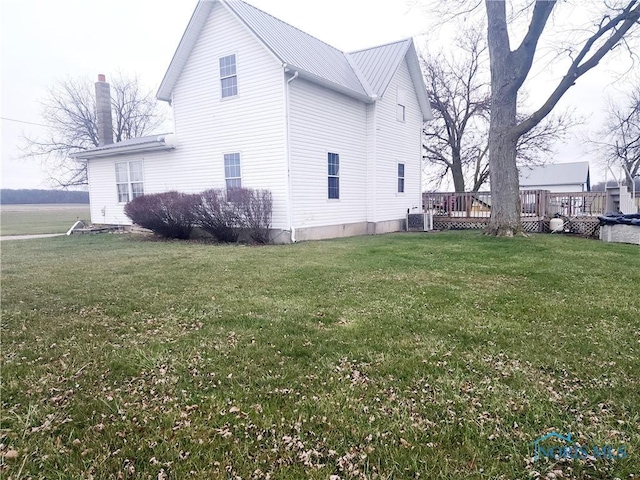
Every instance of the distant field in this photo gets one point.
(41, 218)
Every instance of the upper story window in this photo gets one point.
(401, 109)
(129, 180)
(333, 164)
(401, 178)
(228, 76)
(232, 175)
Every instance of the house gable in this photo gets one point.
(380, 64)
(251, 123)
(363, 75)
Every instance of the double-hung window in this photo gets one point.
(232, 174)
(129, 180)
(401, 178)
(228, 76)
(333, 164)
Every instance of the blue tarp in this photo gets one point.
(620, 219)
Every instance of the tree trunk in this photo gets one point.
(457, 174)
(503, 172)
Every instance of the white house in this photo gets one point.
(335, 136)
(556, 177)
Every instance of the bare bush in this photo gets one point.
(255, 208)
(217, 216)
(169, 214)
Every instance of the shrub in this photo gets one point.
(216, 215)
(255, 209)
(169, 214)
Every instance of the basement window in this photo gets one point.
(228, 76)
(333, 164)
(129, 180)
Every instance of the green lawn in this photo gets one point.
(439, 356)
(34, 219)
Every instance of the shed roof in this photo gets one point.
(364, 74)
(132, 145)
(576, 173)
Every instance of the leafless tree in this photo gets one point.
(456, 141)
(509, 70)
(619, 140)
(69, 111)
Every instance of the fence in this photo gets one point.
(534, 204)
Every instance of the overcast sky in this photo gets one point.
(44, 40)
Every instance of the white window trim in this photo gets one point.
(224, 171)
(220, 77)
(401, 101)
(128, 182)
(334, 152)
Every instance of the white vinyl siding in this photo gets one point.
(341, 128)
(398, 142)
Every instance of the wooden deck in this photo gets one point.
(472, 210)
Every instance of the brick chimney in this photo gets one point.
(103, 111)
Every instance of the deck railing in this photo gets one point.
(533, 204)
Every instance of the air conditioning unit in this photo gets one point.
(419, 222)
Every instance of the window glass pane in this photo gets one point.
(122, 172)
(401, 185)
(135, 171)
(333, 164)
(229, 86)
(401, 169)
(401, 113)
(123, 193)
(334, 187)
(227, 66)
(231, 165)
(136, 190)
(233, 183)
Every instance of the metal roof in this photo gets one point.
(576, 173)
(139, 144)
(297, 48)
(364, 74)
(379, 64)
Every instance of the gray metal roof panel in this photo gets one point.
(575, 173)
(379, 64)
(293, 46)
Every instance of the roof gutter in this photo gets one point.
(162, 143)
(328, 84)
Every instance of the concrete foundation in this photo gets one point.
(280, 236)
(348, 230)
(620, 234)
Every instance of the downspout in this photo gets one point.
(287, 115)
